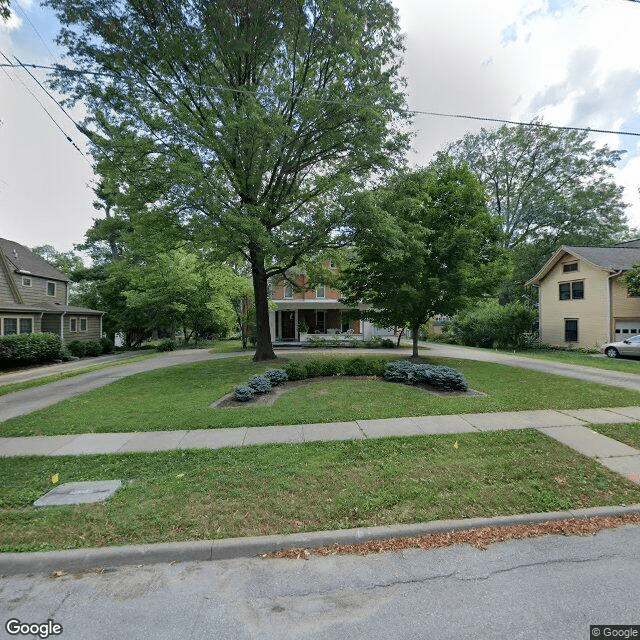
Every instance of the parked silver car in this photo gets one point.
(627, 347)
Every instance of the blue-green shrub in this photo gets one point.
(29, 348)
(259, 384)
(243, 393)
(398, 371)
(276, 376)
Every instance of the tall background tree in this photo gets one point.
(257, 118)
(425, 244)
(548, 187)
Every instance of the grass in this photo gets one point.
(179, 397)
(224, 346)
(626, 365)
(191, 495)
(627, 433)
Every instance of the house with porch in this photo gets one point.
(300, 312)
(582, 300)
(34, 298)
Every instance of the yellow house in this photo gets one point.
(582, 301)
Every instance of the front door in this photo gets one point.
(288, 325)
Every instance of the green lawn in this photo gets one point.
(627, 433)
(179, 397)
(192, 495)
(627, 365)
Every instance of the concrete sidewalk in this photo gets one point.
(569, 427)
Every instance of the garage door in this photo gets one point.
(624, 328)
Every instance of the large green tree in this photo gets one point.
(546, 183)
(245, 123)
(425, 244)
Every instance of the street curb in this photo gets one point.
(202, 550)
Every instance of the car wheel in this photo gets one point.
(611, 352)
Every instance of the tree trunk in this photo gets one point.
(400, 337)
(415, 334)
(264, 348)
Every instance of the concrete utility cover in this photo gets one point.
(79, 493)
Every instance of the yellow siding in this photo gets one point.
(624, 306)
(591, 312)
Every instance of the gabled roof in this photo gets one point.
(617, 258)
(24, 260)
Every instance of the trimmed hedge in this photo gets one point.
(357, 366)
(29, 348)
(93, 348)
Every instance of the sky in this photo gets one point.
(570, 62)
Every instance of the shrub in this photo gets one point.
(295, 370)
(166, 345)
(78, 348)
(444, 378)
(276, 376)
(65, 354)
(324, 367)
(259, 384)
(244, 394)
(360, 366)
(107, 345)
(490, 325)
(92, 348)
(387, 343)
(399, 371)
(29, 348)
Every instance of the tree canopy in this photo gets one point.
(546, 183)
(425, 244)
(246, 124)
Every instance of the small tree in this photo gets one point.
(424, 245)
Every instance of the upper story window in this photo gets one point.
(332, 264)
(51, 288)
(288, 291)
(321, 291)
(570, 266)
(26, 281)
(571, 290)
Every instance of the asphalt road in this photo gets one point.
(543, 588)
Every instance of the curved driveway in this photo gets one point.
(28, 400)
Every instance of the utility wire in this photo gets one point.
(55, 122)
(417, 112)
(26, 17)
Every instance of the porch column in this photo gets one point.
(295, 329)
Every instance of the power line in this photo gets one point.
(417, 112)
(55, 122)
(26, 17)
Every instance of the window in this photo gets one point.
(51, 288)
(26, 281)
(9, 326)
(288, 291)
(571, 330)
(83, 324)
(571, 290)
(571, 266)
(73, 325)
(332, 264)
(26, 325)
(320, 291)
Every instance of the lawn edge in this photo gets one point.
(105, 558)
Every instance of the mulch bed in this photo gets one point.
(480, 538)
(267, 399)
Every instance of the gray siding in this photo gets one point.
(50, 324)
(5, 292)
(92, 332)
(37, 292)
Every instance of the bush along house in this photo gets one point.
(299, 313)
(34, 298)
